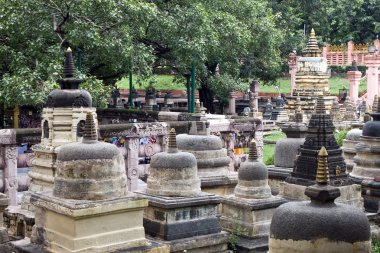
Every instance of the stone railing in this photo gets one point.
(137, 141)
(342, 55)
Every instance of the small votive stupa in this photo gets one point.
(319, 225)
(89, 209)
(179, 214)
(252, 205)
(213, 163)
(349, 144)
(320, 133)
(311, 78)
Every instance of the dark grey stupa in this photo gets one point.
(69, 95)
(319, 225)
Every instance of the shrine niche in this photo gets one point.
(46, 130)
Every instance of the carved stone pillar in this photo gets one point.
(354, 79)
(372, 61)
(9, 156)
(292, 62)
(259, 138)
(132, 146)
(231, 103)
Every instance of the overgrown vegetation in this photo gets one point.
(340, 136)
(268, 152)
(375, 245)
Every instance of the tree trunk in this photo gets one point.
(206, 96)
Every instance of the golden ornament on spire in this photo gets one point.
(312, 49)
(172, 145)
(253, 151)
(323, 169)
(69, 49)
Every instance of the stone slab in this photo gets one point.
(121, 222)
(199, 244)
(256, 245)
(172, 218)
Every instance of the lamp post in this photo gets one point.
(192, 98)
(130, 98)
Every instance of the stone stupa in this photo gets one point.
(89, 209)
(311, 78)
(320, 133)
(179, 214)
(62, 119)
(319, 225)
(213, 163)
(252, 205)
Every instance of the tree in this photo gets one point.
(34, 33)
(229, 35)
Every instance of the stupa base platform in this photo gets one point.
(249, 245)
(217, 242)
(308, 102)
(251, 216)
(25, 246)
(89, 226)
(18, 221)
(350, 194)
(277, 175)
(172, 218)
(219, 185)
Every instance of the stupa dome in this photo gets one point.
(354, 134)
(253, 177)
(90, 169)
(319, 225)
(173, 173)
(69, 95)
(372, 128)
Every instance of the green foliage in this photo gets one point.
(237, 231)
(224, 84)
(375, 245)
(99, 92)
(268, 154)
(340, 135)
(275, 136)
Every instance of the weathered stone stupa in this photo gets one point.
(62, 122)
(212, 161)
(319, 225)
(320, 133)
(349, 143)
(252, 205)
(179, 214)
(367, 159)
(311, 78)
(89, 190)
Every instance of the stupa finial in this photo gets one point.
(253, 151)
(172, 145)
(375, 105)
(320, 105)
(322, 170)
(312, 49)
(69, 68)
(90, 134)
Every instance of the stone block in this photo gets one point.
(172, 218)
(90, 226)
(251, 216)
(286, 151)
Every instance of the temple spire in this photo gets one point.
(320, 105)
(69, 81)
(253, 151)
(312, 49)
(90, 134)
(172, 145)
(322, 177)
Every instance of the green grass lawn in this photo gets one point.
(168, 82)
(162, 82)
(268, 152)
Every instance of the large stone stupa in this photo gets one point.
(89, 209)
(311, 78)
(319, 225)
(179, 214)
(320, 133)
